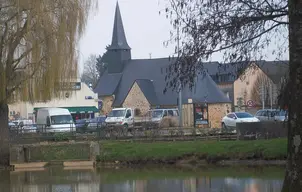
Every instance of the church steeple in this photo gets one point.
(119, 51)
(119, 41)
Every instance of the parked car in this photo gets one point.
(230, 120)
(81, 125)
(30, 128)
(96, 123)
(125, 117)
(18, 126)
(271, 115)
(11, 124)
(51, 120)
(281, 116)
(158, 114)
(266, 114)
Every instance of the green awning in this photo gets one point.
(85, 109)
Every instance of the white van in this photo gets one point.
(125, 117)
(54, 120)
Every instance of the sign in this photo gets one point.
(70, 86)
(201, 114)
(100, 104)
(88, 97)
(250, 103)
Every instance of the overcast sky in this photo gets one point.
(145, 29)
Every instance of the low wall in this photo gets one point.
(264, 130)
(45, 152)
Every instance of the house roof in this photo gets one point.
(275, 70)
(147, 87)
(119, 40)
(107, 84)
(154, 71)
(233, 70)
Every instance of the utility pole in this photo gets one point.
(180, 87)
(271, 86)
(263, 97)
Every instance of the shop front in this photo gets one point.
(204, 115)
(86, 112)
(201, 115)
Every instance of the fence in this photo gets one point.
(30, 134)
(262, 130)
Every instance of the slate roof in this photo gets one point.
(148, 89)
(231, 69)
(107, 84)
(274, 69)
(154, 70)
(119, 40)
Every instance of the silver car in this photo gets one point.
(266, 114)
(271, 115)
(281, 116)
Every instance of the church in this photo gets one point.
(140, 84)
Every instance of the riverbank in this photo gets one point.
(257, 152)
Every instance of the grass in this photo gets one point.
(274, 149)
(59, 152)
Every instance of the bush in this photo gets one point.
(61, 137)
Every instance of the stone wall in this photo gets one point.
(45, 152)
(137, 100)
(107, 104)
(216, 112)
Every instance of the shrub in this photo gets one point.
(61, 137)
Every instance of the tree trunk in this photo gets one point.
(4, 137)
(293, 176)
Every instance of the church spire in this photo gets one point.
(119, 41)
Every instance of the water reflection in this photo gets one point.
(147, 180)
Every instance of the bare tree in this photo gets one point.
(242, 30)
(37, 52)
(102, 63)
(263, 85)
(90, 73)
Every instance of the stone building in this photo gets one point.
(242, 82)
(140, 83)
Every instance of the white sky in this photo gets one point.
(145, 29)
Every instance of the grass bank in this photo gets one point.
(211, 151)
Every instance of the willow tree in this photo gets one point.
(38, 52)
(242, 30)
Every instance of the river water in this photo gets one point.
(159, 179)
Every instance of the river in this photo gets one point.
(159, 179)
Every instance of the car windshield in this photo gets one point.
(117, 113)
(61, 119)
(98, 119)
(101, 119)
(244, 115)
(81, 121)
(157, 114)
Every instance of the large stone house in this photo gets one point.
(248, 84)
(140, 83)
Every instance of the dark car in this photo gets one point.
(96, 123)
(81, 125)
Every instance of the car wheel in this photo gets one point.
(126, 126)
